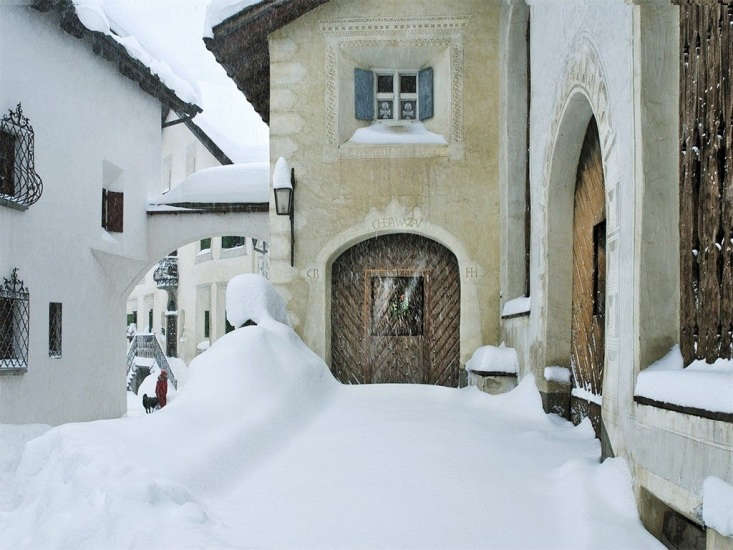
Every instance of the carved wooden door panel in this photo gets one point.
(589, 267)
(395, 312)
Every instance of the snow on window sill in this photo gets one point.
(700, 389)
(10, 367)
(204, 256)
(516, 307)
(233, 252)
(408, 133)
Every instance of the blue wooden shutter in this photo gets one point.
(364, 94)
(425, 93)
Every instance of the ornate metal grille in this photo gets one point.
(14, 323)
(20, 186)
(54, 329)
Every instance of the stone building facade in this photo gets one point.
(557, 184)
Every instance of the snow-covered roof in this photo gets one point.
(164, 38)
(235, 183)
(90, 21)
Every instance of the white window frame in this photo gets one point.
(396, 96)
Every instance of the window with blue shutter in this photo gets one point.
(425, 93)
(364, 94)
(392, 95)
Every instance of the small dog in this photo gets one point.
(149, 403)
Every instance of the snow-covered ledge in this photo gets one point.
(700, 389)
(494, 361)
(516, 307)
(411, 133)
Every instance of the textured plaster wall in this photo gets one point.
(618, 61)
(449, 194)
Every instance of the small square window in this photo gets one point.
(385, 84)
(408, 109)
(408, 84)
(397, 306)
(205, 244)
(384, 110)
(229, 241)
(54, 329)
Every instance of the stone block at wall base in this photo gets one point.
(716, 541)
(556, 402)
(492, 384)
(671, 528)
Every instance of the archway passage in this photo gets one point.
(587, 341)
(395, 312)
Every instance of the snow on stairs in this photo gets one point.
(145, 351)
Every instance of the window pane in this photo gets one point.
(385, 84)
(206, 324)
(6, 328)
(7, 162)
(408, 109)
(384, 110)
(408, 84)
(205, 244)
(230, 241)
(397, 306)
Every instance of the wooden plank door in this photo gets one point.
(395, 312)
(589, 267)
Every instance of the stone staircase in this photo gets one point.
(146, 346)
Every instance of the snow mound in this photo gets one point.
(557, 374)
(234, 183)
(700, 385)
(251, 297)
(494, 359)
(387, 134)
(717, 505)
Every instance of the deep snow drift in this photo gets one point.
(262, 448)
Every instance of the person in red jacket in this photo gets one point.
(161, 388)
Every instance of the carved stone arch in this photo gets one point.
(581, 94)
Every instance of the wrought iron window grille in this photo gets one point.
(54, 329)
(14, 323)
(20, 185)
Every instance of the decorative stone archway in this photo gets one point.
(582, 94)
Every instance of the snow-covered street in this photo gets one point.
(263, 449)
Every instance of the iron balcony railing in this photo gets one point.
(146, 346)
(166, 273)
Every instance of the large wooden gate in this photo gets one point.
(395, 312)
(589, 268)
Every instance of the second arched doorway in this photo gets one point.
(395, 312)
(587, 339)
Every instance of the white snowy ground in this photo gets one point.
(263, 449)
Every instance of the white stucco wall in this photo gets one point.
(201, 276)
(83, 113)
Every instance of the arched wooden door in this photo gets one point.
(395, 312)
(589, 277)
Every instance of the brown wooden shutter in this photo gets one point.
(115, 211)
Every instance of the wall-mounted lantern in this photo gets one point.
(284, 187)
